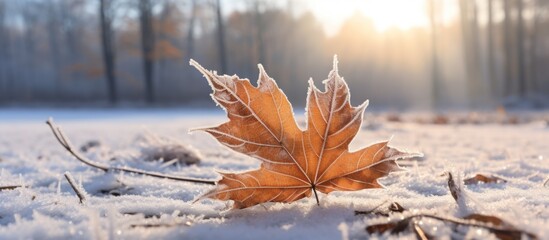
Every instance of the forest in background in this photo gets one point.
(494, 52)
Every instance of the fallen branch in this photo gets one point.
(546, 181)
(494, 229)
(456, 221)
(11, 187)
(75, 187)
(64, 141)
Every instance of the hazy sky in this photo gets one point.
(402, 14)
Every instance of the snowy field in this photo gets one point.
(126, 206)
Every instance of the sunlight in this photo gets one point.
(385, 14)
(396, 13)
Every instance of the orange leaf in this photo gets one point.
(295, 162)
(483, 178)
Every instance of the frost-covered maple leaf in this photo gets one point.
(295, 162)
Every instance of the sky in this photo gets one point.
(386, 14)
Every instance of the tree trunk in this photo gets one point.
(53, 25)
(522, 81)
(493, 87)
(509, 56)
(3, 55)
(221, 38)
(533, 69)
(71, 33)
(190, 33)
(24, 92)
(106, 15)
(435, 82)
(147, 47)
(259, 30)
(470, 31)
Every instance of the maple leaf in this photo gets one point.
(295, 162)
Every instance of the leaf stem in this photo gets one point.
(316, 196)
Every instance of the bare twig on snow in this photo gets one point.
(79, 192)
(64, 141)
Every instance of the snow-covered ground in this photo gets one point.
(125, 206)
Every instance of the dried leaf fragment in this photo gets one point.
(295, 162)
(455, 188)
(483, 178)
(394, 207)
(394, 227)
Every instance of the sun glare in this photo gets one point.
(385, 14)
(402, 14)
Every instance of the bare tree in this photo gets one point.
(259, 31)
(508, 42)
(533, 49)
(106, 12)
(72, 28)
(520, 50)
(470, 32)
(490, 44)
(190, 33)
(53, 33)
(3, 53)
(435, 81)
(221, 37)
(30, 20)
(147, 46)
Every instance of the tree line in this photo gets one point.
(120, 51)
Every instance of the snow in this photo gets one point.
(130, 206)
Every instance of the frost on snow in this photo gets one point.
(129, 206)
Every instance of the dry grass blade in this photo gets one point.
(64, 141)
(420, 234)
(79, 192)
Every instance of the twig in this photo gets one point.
(75, 188)
(458, 221)
(11, 187)
(545, 183)
(420, 234)
(64, 141)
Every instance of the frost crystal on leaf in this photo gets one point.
(295, 163)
